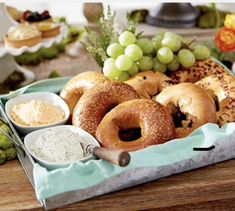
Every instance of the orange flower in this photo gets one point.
(225, 39)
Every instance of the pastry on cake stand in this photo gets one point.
(7, 53)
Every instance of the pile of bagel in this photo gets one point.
(151, 107)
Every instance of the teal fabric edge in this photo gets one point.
(80, 176)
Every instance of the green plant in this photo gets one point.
(98, 40)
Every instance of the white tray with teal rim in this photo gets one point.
(207, 145)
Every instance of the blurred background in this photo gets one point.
(74, 11)
(69, 57)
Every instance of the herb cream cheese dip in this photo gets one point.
(36, 113)
(58, 145)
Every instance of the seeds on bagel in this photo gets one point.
(96, 102)
(151, 120)
(76, 87)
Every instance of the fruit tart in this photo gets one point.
(23, 35)
(36, 17)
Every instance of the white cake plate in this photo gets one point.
(7, 61)
(46, 43)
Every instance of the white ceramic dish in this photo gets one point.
(43, 96)
(30, 139)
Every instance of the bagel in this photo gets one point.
(99, 100)
(200, 70)
(149, 83)
(76, 86)
(221, 88)
(190, 106)
(226, 113)
(153, 119)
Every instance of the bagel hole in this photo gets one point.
(130, 134)
(111, 107)
(217, 107)
(178, 117)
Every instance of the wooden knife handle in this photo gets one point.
(117, 157)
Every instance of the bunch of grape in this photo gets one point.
(172, 52)
(166, 51)
(128, 57)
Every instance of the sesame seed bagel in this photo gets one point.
(149, 83)
(75, 87)
(190, 105)
(221, 88)
(153, 119)
(96, 102)
(200, 70)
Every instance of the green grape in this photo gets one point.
(109, 69)
(174, 64)
(186, 58)
(172, 42)
(122, 77)
(157, 41)
(172, 34)
(126, 38)
(158, 66)
(134, 69)
(201, 52)
(165, 55)
(123, 62)
(114, 50)
(145, 63)
(134, 52)
(146, 45)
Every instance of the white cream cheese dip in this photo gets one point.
(58, 145)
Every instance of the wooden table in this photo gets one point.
(209, 188)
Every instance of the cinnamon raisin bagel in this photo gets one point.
(221, 87)
(200, 70)
(149, 83)
(75, 87)
(151, 118)
(99, 100)
(190, 106)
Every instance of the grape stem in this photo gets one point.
(187, 44)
